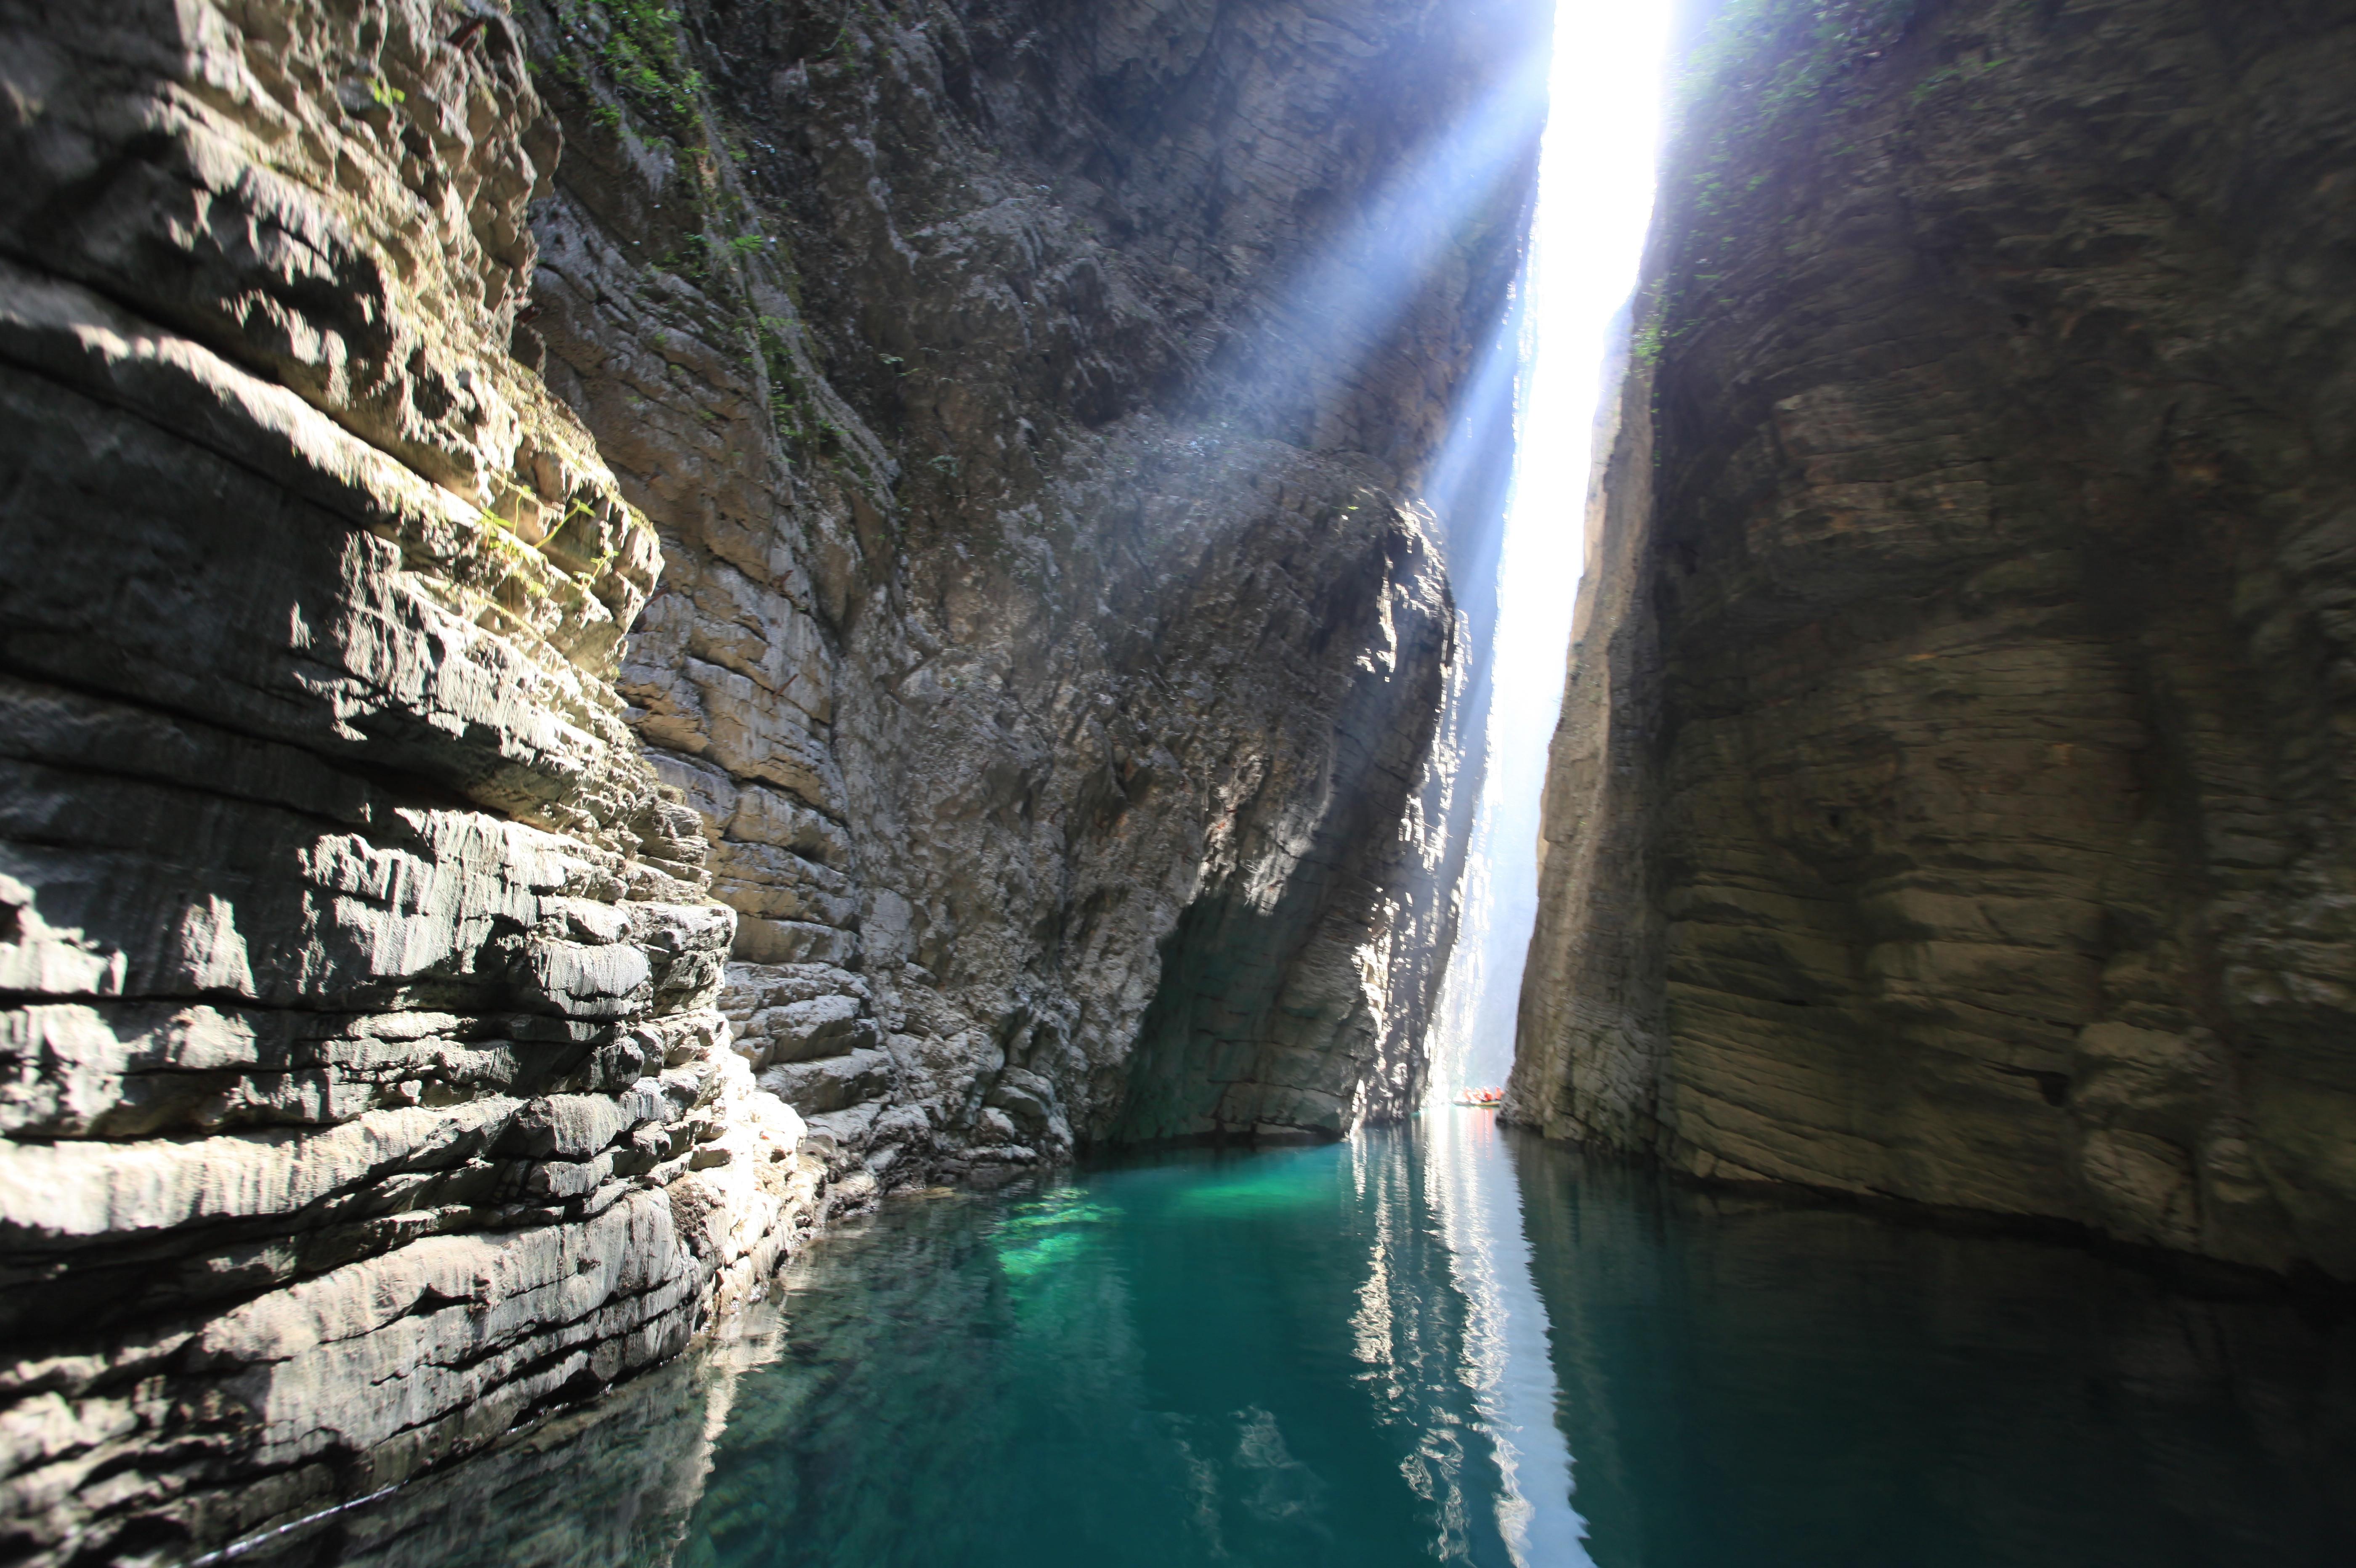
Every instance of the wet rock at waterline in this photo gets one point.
(1951, 799)
(620, 628)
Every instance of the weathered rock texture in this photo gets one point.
(1952, 797)
(1044, 731)
(1033, 400)
(363, 1086)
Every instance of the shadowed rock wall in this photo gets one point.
(1951, 798)
(418, 927)
(2086, 1410)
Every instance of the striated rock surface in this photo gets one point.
(887, 616)
(361, 1077)
(1951, 799)
(1037, 404)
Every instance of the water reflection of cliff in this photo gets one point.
(1296, 1358)
(612, 1484)
(1406, 1350)
(1452, 1336)
(1747, 1381)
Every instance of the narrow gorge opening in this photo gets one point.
(985, 782)
(1594, 206)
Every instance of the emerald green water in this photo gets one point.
(1455, 1346)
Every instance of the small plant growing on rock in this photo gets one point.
(639, 44)
(1646, 348)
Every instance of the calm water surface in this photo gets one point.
(1455, 1346)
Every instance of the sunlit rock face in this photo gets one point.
(896, 562)
(1952, 796)
(360, 1072)
(1032, 399)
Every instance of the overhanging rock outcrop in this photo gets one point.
(1952, 796)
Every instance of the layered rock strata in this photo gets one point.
(1951, 799)
(903, 582)
(363, 1086)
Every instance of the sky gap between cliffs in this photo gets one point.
(1595, 202)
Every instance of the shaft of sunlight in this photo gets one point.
(1595, 201)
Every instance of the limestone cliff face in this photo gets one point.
(364, 1088)
(1951, 799)
(888, 580)
(1033, 399)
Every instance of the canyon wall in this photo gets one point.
(365, 1087)
(1031, 400)
(621, 625)
(1950, 800)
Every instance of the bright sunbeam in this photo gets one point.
(1595, 199)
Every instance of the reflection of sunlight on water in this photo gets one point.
(1423, 1349)
(1594, 202)
(1505, 1362)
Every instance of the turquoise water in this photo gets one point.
(1455, 1347)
